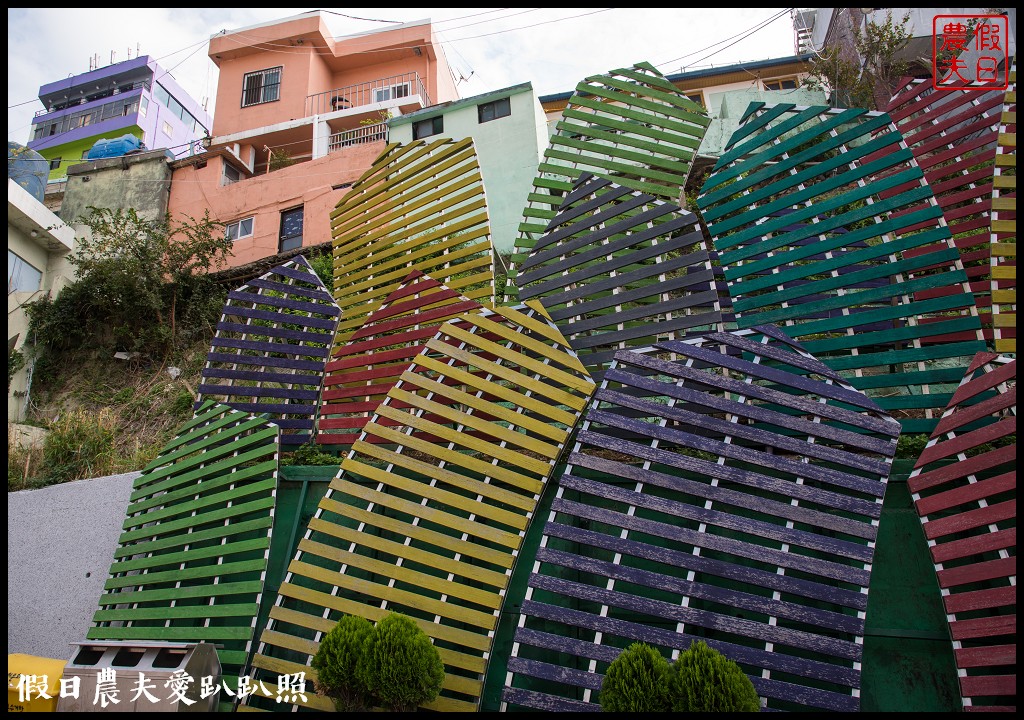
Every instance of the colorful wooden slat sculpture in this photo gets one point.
(192, 559)
(797, 214)
(1004, 225)
(362, 371)
(270, 348)
(618, 268)
(419, 207)
(965, 489)
(431, 528)
(711, 497)
(632, 124)
(952, 134)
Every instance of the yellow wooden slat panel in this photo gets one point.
(499, 432)
(301, 645)
(1004, 249)
(1005, 182)
(446, 563)
(445, 497)
(534, 405)
(1008, 140)
(1004, 297)
(1004, 272)
(516, 419)
(1004, 320)
(1008, 345)
(505, 373)
(453, 544)
(1006, 161)
(1004, 203)
(463, 438)
(482, 553)
(523, 339)
(384, 593)
(1004, 226)
(401, 573)
(456, 636)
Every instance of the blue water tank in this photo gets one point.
(27, 168)
(114, 147)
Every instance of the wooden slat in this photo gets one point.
(964, 488)
(288, 313)
(629, 123)
(192, 561)
(676, 517)
(826, 224)
(1003, 227)
(428, 517)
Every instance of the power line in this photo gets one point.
(746, 33)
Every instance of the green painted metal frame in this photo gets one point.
(192, 560)
(796, 210)
(431, 526)
(630, 123)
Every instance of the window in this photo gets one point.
(780, 84)
(291, 230)
(391, 92)
(696, 97)
(426, 128)
(494, 110)
(143, 105)
(261, 87)
(55, 163)
(239, 229)
(21, 277)
(168, 129)
(231, 174)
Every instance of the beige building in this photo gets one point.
(38, 243)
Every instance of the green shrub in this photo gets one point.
(341, 653)
(636, 681)
(704, 680)
(79, 445)
(310, 454)
(402, 668)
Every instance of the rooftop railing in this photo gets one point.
(368, 93)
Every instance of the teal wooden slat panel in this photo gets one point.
(964, 488)
(731, 495)
(192, 559)
(819, 217)
(429, 510)
(270, 348)
(631, 124)
(619, 268)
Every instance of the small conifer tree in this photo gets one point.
(342, 651)
(704, 680)
(402, 668)
(636, 681)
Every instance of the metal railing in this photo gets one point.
(362, 134)
(368, 93)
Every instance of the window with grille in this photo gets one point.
(261, 87)
(291, 230)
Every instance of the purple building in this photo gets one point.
(134, 98)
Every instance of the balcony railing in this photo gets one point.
(368, 93)
(362, 134)
(115, 90)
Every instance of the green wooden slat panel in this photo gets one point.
(1003, 229)
(430, 508)
(192, 561)
(419, 207)
(821, 219)
(630, 107)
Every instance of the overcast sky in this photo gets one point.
(487, 48)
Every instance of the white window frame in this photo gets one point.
(226, 178)
(384, 94)
(168, 129)
(238, 226)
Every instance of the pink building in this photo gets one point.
(299, 117)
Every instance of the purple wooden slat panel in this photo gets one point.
(764, 548)
(288, 317)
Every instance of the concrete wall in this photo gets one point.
(141, 182)
(60, 544)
